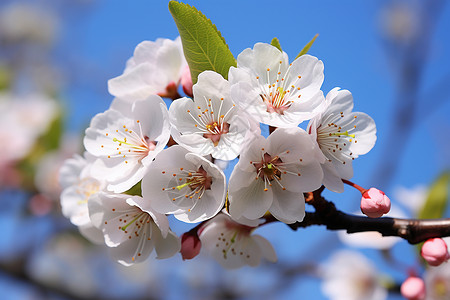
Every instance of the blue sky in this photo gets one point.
(100, 38)
(351, 45)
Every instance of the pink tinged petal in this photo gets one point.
(186, 81)
(288, 207)
(213, 199)
(160, 177)
(230, 144)
(152, 68)
(299, 168)
(374, 203)
(252, 153)
(435, 251)
(153, 116)
(123, 142)
(162, 188)
(190, 245)
(232, 245)
(413, 288)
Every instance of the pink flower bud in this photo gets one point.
(435, 252)
(413, 288)
(374, 203)
(186, 81)
(190, 245)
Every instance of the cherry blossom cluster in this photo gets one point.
(176, 154)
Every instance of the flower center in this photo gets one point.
(198, 180)
(216, 130)
(188, 187)
(334, 137)
(276, 102)
(87, 187)
(269, 169)
(129, 144)
(210, 121)
(279, 94)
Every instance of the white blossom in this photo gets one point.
(273, 91)
(342, 135)
(155, 69)
(272, 174)
(233, 245)
(184, 184)
(23, 22)
(351, 276)
(78, 187)
(437, 281)
(125, 139)
(210, 123)
(24, 119)
(131, 228)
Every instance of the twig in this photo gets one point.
(412, 230)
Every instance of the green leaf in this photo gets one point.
(135, 190)
(436, 202)
(203, 45)
(5, 79)
(307, 46)
(276, 43)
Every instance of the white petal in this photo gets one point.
(266, 248)
(136, 84)
(260, 58)
(166, 247)
(311, 71)
(331, 179)
(287, 207)
(252, 201)
(339, 101)
(212, 84)
(365, 134)
(74, 206)
(92, 233)
(159, 219)
(134, 250)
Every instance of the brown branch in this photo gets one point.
(412, 230)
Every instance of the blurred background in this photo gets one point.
(55, 59)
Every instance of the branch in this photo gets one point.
(412, 230)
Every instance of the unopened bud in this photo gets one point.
(374, 203)
(190, 245)
(413, 288)
(186, 81)
(435, 252)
